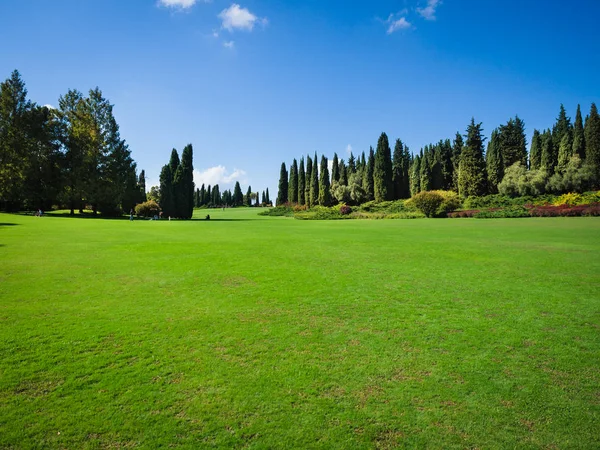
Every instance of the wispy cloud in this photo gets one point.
(236, 17)
(394, 24)
(219, 175)
(229, 44)
(428, 13)
(348, 149)
(181, 4)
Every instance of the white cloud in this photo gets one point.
(219, 175)
(215, 34)
(236, 17)
(397, 24)
(348, 149)
(229, 44)
(49, 106)
(428, 12)
(182, 4)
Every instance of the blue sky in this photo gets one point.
(253, 83)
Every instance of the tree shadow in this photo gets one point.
(219, 220)
(6, 224)
(67, 215)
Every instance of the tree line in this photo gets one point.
(211, 197)
(564, 158)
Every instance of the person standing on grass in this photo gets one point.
(131, 215)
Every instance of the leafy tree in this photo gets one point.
(301, 183)
(335, 169)
(382, 173)
(579, 136)
(293, 183)
(494, 162)
(592, 142)
(535, 155)
(314, 183)
(154, 194)
(324, 184)
(238, 197)
(282, 196)
(368, 180)
(518, 181)
(472, 177)
(307, 181)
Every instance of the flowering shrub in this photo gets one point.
(568, 199)
(147, 209)
(345, 210)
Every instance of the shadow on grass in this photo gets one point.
(83, 216)
(6, 224)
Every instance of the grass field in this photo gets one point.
(261, 332)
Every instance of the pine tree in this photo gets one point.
(592, 142)
(351, 167)
(446, 166)
(560, 128)
(314, 183)
(425, 175)
(494, 163)
(368, 180)
(578, 136)
(335, 169)
(282, 195)
(307, 181)
(415, 177)
(301, 183)
(382, 173)
(457, 148)
(511, 142)
(238, 197)
(565, 152)
(293, 183)
(549, 157)
(535, 155)
(324, 184)
(472, 177)
(343, 173)
(397, 173)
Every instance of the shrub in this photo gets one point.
(345, 210)
(147, 209)
(428, 202)
(278, 211)
(451, 202)
(568, 199)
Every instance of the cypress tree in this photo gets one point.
(415, 177)
(263, 198)
(301, 183)
(142, 186)
(208, 198)
(406, 161)
(535, 155)
(343, 173)
(282, 195)
(166, 191)
(335, 169)
(363, 161)
(178, 188)
(268, 198)
(249, 196)
(187, 184)
(472, 178)
(238, 197)
(435, 165)
(425, 174)
(368, 180)
(382, 173)
(351, 168)
(549, 157)
(457, 148)
(560, 128)
(324, 184)
(592, 142)
(314, 183)
(174, 161)
(293, 183)
(202, 201)
(397, 173)
(307, 181)
(445, 161)
(578, 136)
(494, 163)
(216, 195)
(565, 151)
(257, 199)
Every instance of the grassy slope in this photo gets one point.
(271, 332)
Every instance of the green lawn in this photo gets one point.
(263, 332)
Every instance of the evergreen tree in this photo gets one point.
(178, 188)
(257, 199)
(267, 196)
(343, 173)
(324, 184)
(565, 152)
(238, 197)
(549, 157)
(425, 174)
(314, 183)
(307, 181)
(166, 191)
(142, 186)
(197, 198)
(397, 173)
(301, 183)
(494, 163)
(415, 177)
(208, 198)
(293, 183)
(446, 166)
(186, 185)
(382, 173)
(561, 127)
(335, 169)
(282, 195)
(511, 142)
(592, 142)
(363, 162)
(216, 195)
(535, 155)
(472, 177)
(249, 196)
(457, 148)
(406, 162)
(174, 161)
(351, 167)
(368, 182)
(578, 136)
(263, 198)
(435, 166)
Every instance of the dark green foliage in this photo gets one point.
(174, 161)
(293, 183)
(343, 173)
(511, 142)
(397, 170)
(335, 169)
(428, 202)
(382, 173)
(267, 196)
(142, 186)
(472, 177)
(324, 184)
(549, 157)
(457, 148)
(249, 195)
(565, 151)
(425, 174)
(301, 183)
(446, 164)
(579, 136)
(282, 195)
(561, 127)
(435, 167)
(415, 177)
(147, 209)
(494, 163)
(314, 183)
(238, 196)
(185, 185)
(535, 156)
(351, 164)
(166, 191)
(368, 182)
(592, 142)
(307, 181)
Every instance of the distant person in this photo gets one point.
(207, 217)
(131, 215)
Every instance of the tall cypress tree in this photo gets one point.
(560, 128)
(397, 173)
(415, 177)
(494, 163)
(343, 173)
(445, 160)
(238, 197)
(457, 148)
(202, 200)
(293, 183)
(249, 196)
(324, 184)
(166, 191)
(425, 174)
(368, 181)
(592, 142)
(187, 182)
(142, 186)
(351, 164)
(565, 152)
(314, 183)
(406, 162)
(307, 181)
(579, 136)
(282, 195)
(301, 183)
(549, 157)
(216, 195)
(335, 169)
(472, 177)
(267, 196)
(382, 174)
(535, 155)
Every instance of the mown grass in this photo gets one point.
(276, 333)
